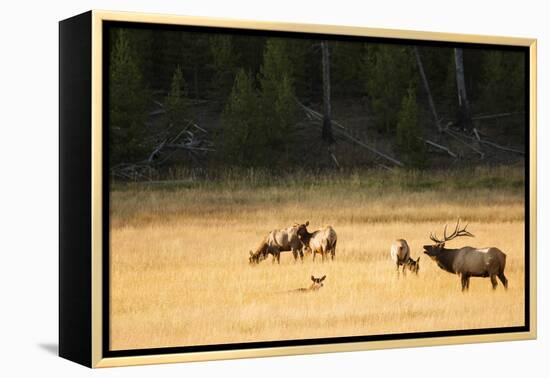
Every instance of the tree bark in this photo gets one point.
(327, 111)
(465, 115)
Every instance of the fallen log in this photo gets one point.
(495, 145)
(446, 149)
(451, 133)
(341, 131)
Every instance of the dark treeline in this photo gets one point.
(208, 100)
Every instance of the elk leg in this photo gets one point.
(503, 279)
(295, 254)
(494, 281)
(302, 255)
(314, 253)
(404, 271)
(465, 280)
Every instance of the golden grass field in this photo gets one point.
(180, 274)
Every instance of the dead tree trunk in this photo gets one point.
(427, 87)
(464, 113)
(327, 111)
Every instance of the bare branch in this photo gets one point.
(156, 151)
(492, 144)
(498, 115)
(334, 159)
(502, 147)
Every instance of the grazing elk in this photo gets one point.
(278, 241)
(467, 261)
(316, 285)
(321, 241)
(400, 254)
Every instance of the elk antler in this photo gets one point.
(435, 239)
(457, 232)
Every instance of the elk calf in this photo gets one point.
(316, 285)
(400, 254)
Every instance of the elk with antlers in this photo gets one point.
(467, 261)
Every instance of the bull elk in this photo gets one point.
(401, 255)
(467, 261)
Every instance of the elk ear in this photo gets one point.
(418, 259)
(307, 223)
(251, 254)
(323, 278)
(442, 245)
(313, 278)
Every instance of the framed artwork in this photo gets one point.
(234, 189)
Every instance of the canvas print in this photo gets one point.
(269, 186)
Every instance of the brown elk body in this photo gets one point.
(278, 241)
(468, 262)
(321, 242)
(400, 254)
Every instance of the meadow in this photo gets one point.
(179, 255)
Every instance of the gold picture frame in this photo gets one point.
(89, 267)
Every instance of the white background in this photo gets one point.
(29, 189)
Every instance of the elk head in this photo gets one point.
(414, 265)
(301, 227)
(252, 259)
(301, 230)
(317, 282)
(255, 258)
(434, 250)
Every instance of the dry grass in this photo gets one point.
(180, 273)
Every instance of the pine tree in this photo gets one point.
(286, 116)
(388, 71)
(224, 63)
(278, 107)
(128, 100)
(408, 130)
(241, 140)
(191, 52)
(177, 103)
(297, 51)
(503, 82)
(346, 68)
